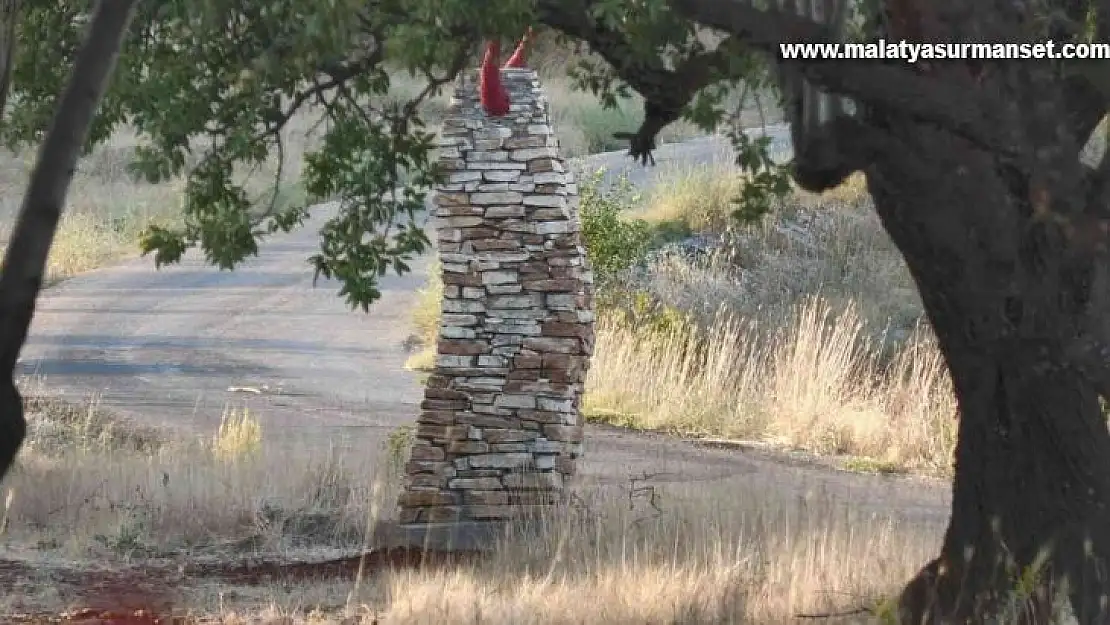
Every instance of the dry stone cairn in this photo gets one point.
(500, 425)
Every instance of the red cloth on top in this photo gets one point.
(491, 92)
(519, 57)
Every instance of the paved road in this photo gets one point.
(164, 348)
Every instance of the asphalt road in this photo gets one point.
(173, 347)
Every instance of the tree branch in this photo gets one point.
(891, 87)
(837, 149)
(666, 91)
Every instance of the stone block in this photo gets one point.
(413, 467)
(498, 436)
(564, 433)
(502, 197)
(500, 461)
(473, 497)
(500, 277)
(414, 499)
(504, 212)
(510, 175)
(533, 481)
(515, 401)
(425, 480)
(424, 451)
(468, 447)
(462, 347)
(531, 154)
(554, 344)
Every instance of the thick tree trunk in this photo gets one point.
(1032, 465)
(1031, 474)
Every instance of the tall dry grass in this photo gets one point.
(106, 211)
(815, 384)
(808, 327)
(88, 487)
(697, 197)
(707, 556)
(704, 556)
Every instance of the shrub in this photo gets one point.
(613, 244)
(695, 199)
(645, 314)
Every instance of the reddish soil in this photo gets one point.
(372, 561)
(145, 596)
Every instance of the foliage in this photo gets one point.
(209, 87)
(648, 316)
(426, 314)
(220, 80)
(767, 181)
(397, 447)
(613, 243)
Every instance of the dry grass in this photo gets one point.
(425, 320)
(810, 328)
(816, 385)
(704, 557)
(832, 245)
(697, 197)
(91, 491)
(107, 208)
(89, 488)
(707, 558)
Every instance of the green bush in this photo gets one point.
(613, 243)
(647, 315)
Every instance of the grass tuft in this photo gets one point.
(239, 436)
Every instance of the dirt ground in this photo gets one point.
(150, 593)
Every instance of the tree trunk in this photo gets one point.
(1032, 462)
(1031, 474)
(29, 247)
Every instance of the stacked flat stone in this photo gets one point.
(500, 426)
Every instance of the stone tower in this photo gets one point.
(500, 426)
